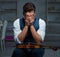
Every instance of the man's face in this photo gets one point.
(29, 15)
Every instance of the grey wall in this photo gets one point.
(40, 7)
(53, 22)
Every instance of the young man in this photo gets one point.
(29, 31)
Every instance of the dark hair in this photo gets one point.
(28, 7)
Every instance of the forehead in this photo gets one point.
(31, 12)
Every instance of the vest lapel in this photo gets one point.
(36, 23)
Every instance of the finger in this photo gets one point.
(31, 21)
(26, 20)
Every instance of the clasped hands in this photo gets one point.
(29, 21)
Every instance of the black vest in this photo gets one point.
(29, 37)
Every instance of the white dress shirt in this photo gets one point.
(17, 30)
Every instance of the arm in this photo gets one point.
(39, 35)
(18, 33)
(22, 35)
(42, 28)
(35, 35)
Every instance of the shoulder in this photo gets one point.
(41, 21)
(16, 22)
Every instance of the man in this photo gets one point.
(29, 31)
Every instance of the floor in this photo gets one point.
(7, 53)
(48, 52)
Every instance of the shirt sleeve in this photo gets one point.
(16, 30)
(42, 28)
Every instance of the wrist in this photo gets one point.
(26, 26)
(31, 25)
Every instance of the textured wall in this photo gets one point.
(40, 7)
